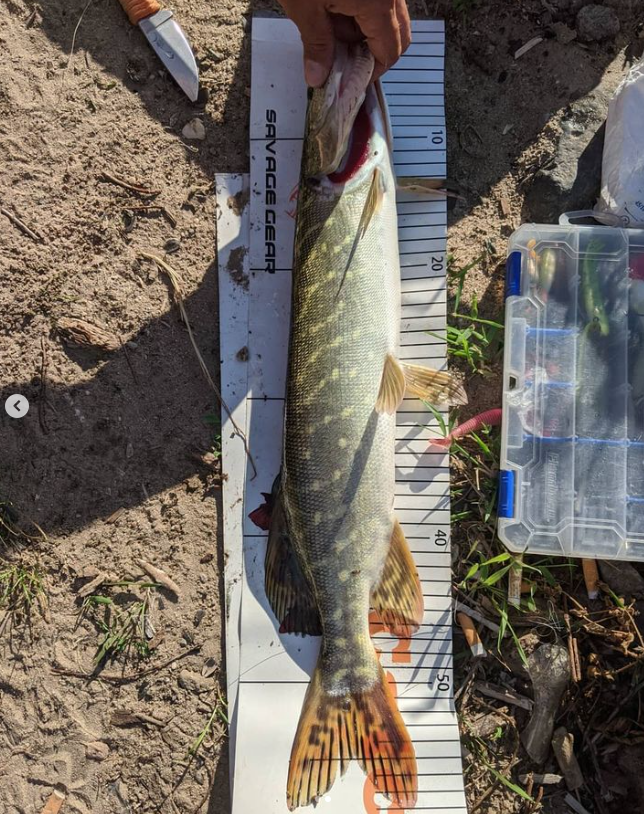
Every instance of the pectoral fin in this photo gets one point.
(286, 586)
(398, 597)
(372, 204)
(434, 386)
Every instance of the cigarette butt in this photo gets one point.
(471, 635)
(514, 583)
(54, 803)
(563, 745)
(591, 578)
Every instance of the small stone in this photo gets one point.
(194, 682)
(623, 578)
(242, 354)
(209, 667)
(97, 750)
(193, 483)
(171, 245)
(88, 572)
(563, 33)
(194, 130)
(199, 615)
(571, 181)
(597, 23)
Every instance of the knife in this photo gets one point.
(168, 40)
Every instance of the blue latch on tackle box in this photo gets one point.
(572, 454)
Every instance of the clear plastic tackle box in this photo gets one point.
(572, 454)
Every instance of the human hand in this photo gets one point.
(384, 24)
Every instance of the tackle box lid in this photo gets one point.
(572, 447)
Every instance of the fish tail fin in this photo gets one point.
(365, 726)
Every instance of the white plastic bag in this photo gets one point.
(622, 192)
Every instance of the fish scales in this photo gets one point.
(339, 472)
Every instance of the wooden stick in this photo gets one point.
(178, 292)
(501, 694)
(120, 182)
(159, 576)
(154, 208)
(22, 226)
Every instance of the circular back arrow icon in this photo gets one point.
(16, 406)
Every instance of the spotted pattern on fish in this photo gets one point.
(345, 322)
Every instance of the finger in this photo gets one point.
(382, 32)
(402, 14)
(345, 28)
(316, 31)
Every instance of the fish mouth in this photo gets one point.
(337, 126)
(358, 149)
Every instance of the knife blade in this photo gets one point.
(168, 41)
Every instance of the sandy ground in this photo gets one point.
(117, 460)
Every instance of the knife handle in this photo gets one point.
(138, 10)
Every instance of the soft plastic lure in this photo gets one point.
(491, 418)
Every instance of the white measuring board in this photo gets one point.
(268, 673)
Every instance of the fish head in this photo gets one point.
(344, 117)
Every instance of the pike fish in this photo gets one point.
(335, 548)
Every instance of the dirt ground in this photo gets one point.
(117, 461)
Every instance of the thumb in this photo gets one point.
(318, 39)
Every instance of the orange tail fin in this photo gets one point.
(365, 726)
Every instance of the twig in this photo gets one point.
(169, 217)
(464, 689)
(22, 226)
(178, 292)
(460, 606)
(575, 804)
(573, 648)
(120, 182)
(480, 800)
(122, 717)
(71, 50)
(42, 404)
(617, 710)
(159, 576)
(501, 694)
(125, 678)
(128, 360)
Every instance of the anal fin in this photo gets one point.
(287, 588)
(398, 597)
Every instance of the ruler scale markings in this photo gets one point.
(425, 685)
